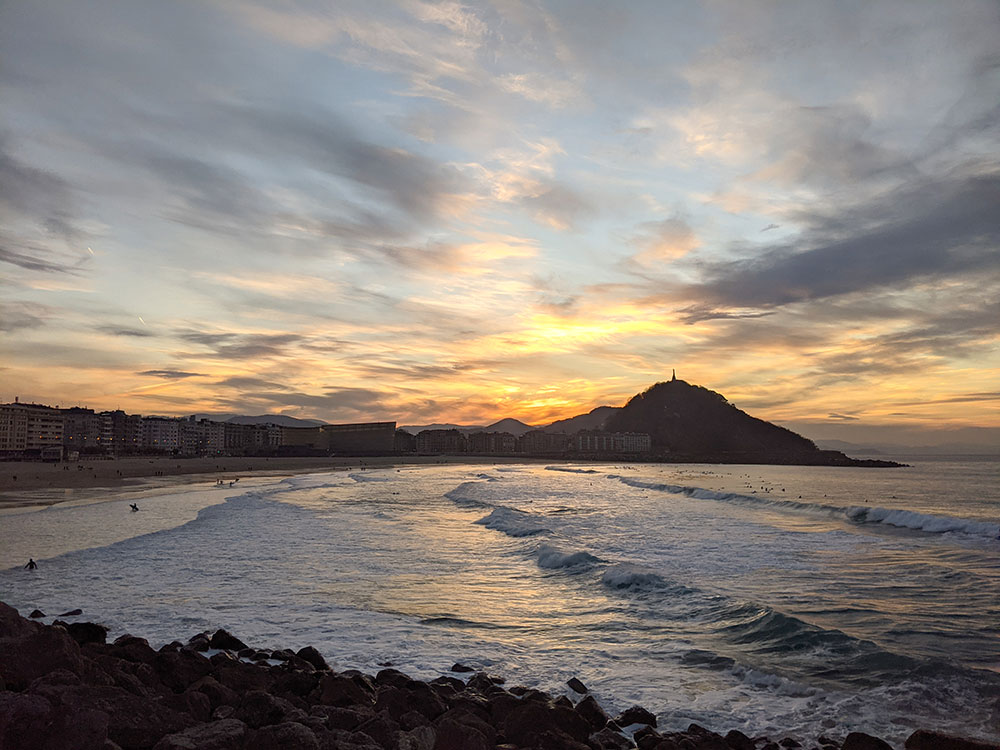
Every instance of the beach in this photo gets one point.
(41, 483)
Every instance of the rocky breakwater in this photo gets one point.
(62, 686)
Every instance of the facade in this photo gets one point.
(594, 441)
(492, 442)
(441, 441)
(83, 430)
(13, 429)
(537, 441)
(31, 431)
(121, 432)
(161, 434)
(364, 437)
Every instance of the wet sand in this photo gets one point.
(35, 483)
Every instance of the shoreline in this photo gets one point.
(32, 483)
(63, 685)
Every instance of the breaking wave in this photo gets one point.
(512, 522)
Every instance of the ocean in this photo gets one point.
(776, 600)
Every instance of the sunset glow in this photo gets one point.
(442, 212)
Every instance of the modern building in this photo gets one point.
(595, 441)
(492, 442)
(161, 434)
(441, 441)
(538, 441)
(360, 438)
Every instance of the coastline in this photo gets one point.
(63, 685)
(33, 483)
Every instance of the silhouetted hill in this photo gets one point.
(691, 421)
(413, 429)
(514, 426)
(592, 420)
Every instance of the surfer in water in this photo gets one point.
(31, 564)
(134, 507)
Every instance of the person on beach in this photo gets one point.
(31, 564)
(134, 507)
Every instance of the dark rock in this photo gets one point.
(739, 741)
(790, 743)
(224, 712)
(178, 669)
(241, 677)
(576, 686)
(290, 734)
(199, 642)
(461, 668)
(217, 693)
(225, 640)
(380, 728)
(391, 677)
(259, 709)
(224, 734)
(197, 704)
(452, 734)
(36, 613)
(591, 710)
(294, 682)
(32, 651)
(283, 654)
(418, 738)
(314, 657)
(87, 632)
(527, 722)
(132, 721)
(609, 739)
(563, 701)
(635, 715)
(29, 722)
(862, 741)
(71, 613)
(923, 739)
(341, 690)
(335, 717)
(222, 658)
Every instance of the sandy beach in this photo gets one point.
(30, 482)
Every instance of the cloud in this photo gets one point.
(939, 229)
(138, 333)
(243, 345)
(841, 417)
(171, 374)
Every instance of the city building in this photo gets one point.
(538, 441)
(492, 442)
(441, 441)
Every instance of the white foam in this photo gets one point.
(550, 557)
(628, 576)
(512, 522)
(908, 519)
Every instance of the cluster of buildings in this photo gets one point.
(36, 431)
(535, 442)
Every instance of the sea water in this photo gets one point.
(776, 600)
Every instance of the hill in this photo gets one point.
(592, 420)
(693, 423)
(514, 426)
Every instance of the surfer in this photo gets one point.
(134, 507)
(31, 564)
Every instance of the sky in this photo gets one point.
(447, 212)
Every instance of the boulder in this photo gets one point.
(419, 738)
(226, 734)
(217, 693)
(225, 640)
(461, 668)
(591, 710)
(29, 653)
(314, 657)
(36, 613)
(342, 690)
(259, 709)
(609, 739)
(71, 613)
(576, 686)
(179, 669)
(132, 721)
(923, 739)
(289, 734)
(862, 741)
(739, 741)
(635, 715)
(452, 734)
(31, 722)
(380, 728)
(527, 722)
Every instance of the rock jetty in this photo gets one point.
(63, 687)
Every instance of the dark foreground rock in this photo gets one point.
(63, 687)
